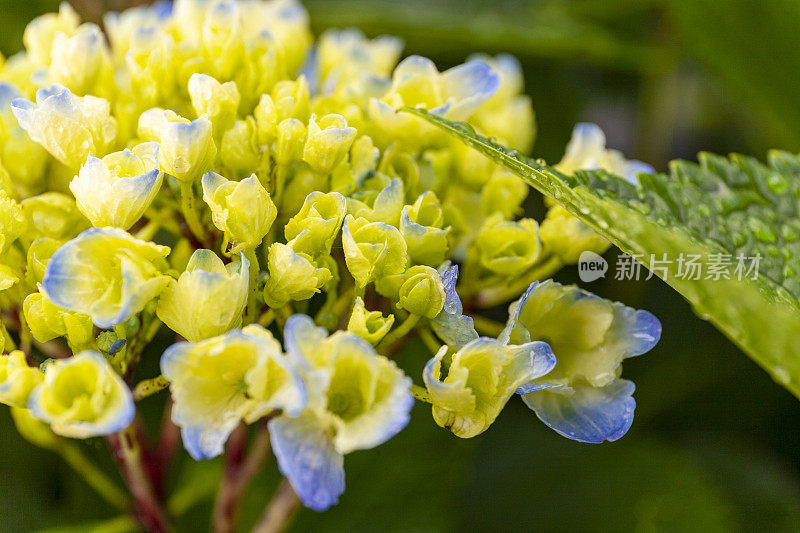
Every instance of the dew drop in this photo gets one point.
(777, 183)
(761, 230)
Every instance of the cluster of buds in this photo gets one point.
(204, 167)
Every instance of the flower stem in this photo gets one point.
(149, 386)
(282, 314)
(499, 295)
(267, 318)
(430, 341)
(252, 310)
(95, 477)
(240, 469)
(421, 393)
(399, 332)
(190, 213)
(128, 453)
(149, 230)
(279, 511)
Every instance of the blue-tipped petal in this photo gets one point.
(468, 86)
(204, 443)
(645, 332)
(307, 458)
(474, 79)
(540, 362)
(162, 9)
(635, 167)
(590, 414)
(454, 328)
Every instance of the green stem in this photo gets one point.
(499, 295)
(358, 292)
(421, 393)
(96, 479)
(282, 314)
(399, 332)
(149, 230)
(344, 301)
(252, 302)
(281, 174)
(267, 317)
(149, 387)
(190, 212)
(152, 330)
(430, 340)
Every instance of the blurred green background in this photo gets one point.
(715, 445)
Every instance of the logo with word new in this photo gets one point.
(591, 266)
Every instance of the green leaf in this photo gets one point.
(729, 206)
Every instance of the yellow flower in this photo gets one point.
(292, 276)
(106, 274)
(422, 227)
(357, 400)
(327, 142)
(207, 299)
(371, 326)
(422, 292)
(81, 61)
(469, 393)
(12, 221)
(313, 229)
(48, 321)
(69, 127)
(372, 250)
(239, 151)
(187, 147)
(41, 32)
(455, 94)
(290, 144)
(243, 209)
(82, 397)
(39, 253)
(507, 248)
(54, 215)
(219, 101)
(118, 189)
(344, 55)
(566, 237)
(587, 151)
(17, 379)
(218, 382)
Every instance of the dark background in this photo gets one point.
(715, 445)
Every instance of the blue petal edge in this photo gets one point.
(307, 458)
(589, 414)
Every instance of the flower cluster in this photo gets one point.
(206, 167)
